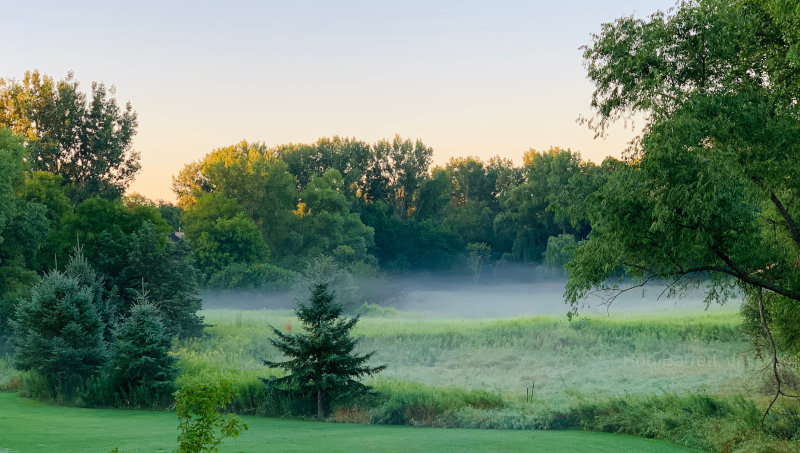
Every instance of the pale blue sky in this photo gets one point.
(468, 78)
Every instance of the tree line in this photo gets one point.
(254, 215)
(250, 209)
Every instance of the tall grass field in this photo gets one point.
(687, 377)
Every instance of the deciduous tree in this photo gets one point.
(711, 188)
(87, 139)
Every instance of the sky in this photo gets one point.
(468, 78)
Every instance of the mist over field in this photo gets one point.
(512, 292)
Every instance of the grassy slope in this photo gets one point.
(29, 426)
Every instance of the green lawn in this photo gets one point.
(30, 426)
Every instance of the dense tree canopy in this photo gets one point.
(86, 139)
(711, 186)
(23, 222)
(383, 204)
(326, 223)
(220, 234)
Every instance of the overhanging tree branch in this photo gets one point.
(746, 277)
(789, 222)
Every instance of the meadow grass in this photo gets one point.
(595, 355)
(669, 375)
(29, 426)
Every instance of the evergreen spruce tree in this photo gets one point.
(81, 270)
(164, 271)
(59, 333)
(141, 368)
(322, 360)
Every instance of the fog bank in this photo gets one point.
(514, 292)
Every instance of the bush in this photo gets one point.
(411, 403)
(560, 250)
(705, 422)
(252, 276)
(198, 406)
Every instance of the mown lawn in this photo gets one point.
(29, 426)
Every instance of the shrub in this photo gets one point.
(252, 276)
(410, 403)
(560, 250)
(198, 406)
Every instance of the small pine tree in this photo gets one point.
(59, 333)
(141, 366)
(322, 362)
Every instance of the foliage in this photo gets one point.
(164, 271)
(140, 361)
(252, 276)
(478, 255)
(84, 138)
(202, 427)
(101, 228)
(709, 190)
(381, 203)
(327, 225)
(251, 175)
(560, 250)
(59, 332)
(104, 301)
(220, 234)
(411, 243)
(697, 421)
(322, 362)
(130, 248)
(48, 189)
(172, 214)
(530, 214)
(23, 227)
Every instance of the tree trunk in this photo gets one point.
(320, 405)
